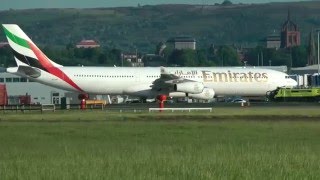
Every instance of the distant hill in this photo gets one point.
(144, 27)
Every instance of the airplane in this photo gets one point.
(145, 82)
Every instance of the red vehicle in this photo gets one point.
(3, 95)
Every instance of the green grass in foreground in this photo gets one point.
(152, 149)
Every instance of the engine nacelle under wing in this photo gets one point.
(177, 94)
(189, 87)
(206, 94)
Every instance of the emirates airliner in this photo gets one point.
(145, 82)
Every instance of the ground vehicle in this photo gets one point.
(239, 101)
(294, 94)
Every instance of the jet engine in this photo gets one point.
(189, 87)
(206, 94)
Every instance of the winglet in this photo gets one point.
(166, 74)
(163, 70)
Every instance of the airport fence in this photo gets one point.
(143, 107)
(44, 107)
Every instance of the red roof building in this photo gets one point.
(290, 34)
(87, 44)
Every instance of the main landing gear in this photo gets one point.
(83, 98)
(161, 99)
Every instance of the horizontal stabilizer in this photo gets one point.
(29, 71)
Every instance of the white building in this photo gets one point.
(39, 93)
(272, 41)
(17, 86)
(183, 43)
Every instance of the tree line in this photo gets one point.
(231, 56)
(212, 56)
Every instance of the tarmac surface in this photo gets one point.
(146, 106)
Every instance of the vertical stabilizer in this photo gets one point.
(25, 51)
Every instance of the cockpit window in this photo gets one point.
(289, 77)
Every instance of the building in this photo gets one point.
(290, 34)
(312, 69)
(87, 44)
(183, 42)
(272, 41)
(130, 57)
(133, 59)
(19, 88)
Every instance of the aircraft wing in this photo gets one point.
(167, 80)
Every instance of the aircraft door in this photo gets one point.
(55, 98)
(137, 76)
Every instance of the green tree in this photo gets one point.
(299, 56)
(6, 57)
(113, 57)
(261, 56)
(102, 59)
(226, 3)
(227, 56)
(183, 57)
(202, 58)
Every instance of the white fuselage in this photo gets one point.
(138, 80)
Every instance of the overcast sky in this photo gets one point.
(27, 4)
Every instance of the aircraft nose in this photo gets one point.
(292, 82)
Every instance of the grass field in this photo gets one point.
(230, 143)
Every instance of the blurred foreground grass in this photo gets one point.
(218, 145)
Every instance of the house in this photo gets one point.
(183, 42)
(272, 41)
(87, 44)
